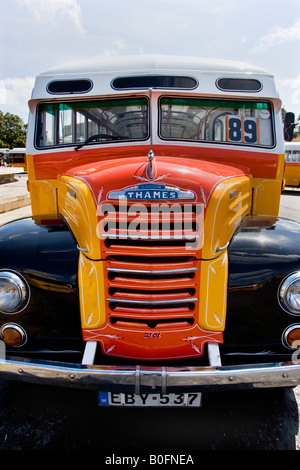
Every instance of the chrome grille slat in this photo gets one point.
(151, 237)
(153, 302)
(151, 271)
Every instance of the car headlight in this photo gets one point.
(14, 292)
(289, 294)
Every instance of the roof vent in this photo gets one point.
(249, 85)
(63, 87)
(154, 81)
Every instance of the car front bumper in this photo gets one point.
(147, 379)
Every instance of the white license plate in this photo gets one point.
(148, 400)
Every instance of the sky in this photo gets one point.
(36, 35)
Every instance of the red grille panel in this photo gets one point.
(152, 274)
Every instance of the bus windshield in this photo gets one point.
(212, 120)
(71, 123)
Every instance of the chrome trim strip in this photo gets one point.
(84, 250)
(150, 271)
(163, 380)
(152, 379)
(137, 380)
(153, 302)
(214, 356)
(89, 352)
(222, 248)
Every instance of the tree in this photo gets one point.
(12, 131)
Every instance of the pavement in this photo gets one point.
(13, 192)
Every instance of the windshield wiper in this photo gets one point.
(100, 136)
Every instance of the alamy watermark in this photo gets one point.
(154, 221)
(2, 351)
(296, 353)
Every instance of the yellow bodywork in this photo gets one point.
(228, 205)
(92, 297)
(292, 174)
(213, 293)
(77, 206)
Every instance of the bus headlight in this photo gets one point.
(14, 292)
(289, 294)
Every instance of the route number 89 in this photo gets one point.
(242, 130)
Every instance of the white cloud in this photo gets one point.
(53, 10)
(18, 89)
(2, 92)
(14, 95)
(279, 36)
(116, 48)
(292, 87)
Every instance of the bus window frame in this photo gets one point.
(217, 142)
(102, 98)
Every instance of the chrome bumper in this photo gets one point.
(146, 379)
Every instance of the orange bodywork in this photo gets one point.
(149, 295)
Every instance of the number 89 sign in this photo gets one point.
(240, 129)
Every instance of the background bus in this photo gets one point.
(292, 164)
(4, 156)
(17, 157)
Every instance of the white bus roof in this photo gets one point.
(18, 150)
(292, 145)
(152, 62)
(102, 70)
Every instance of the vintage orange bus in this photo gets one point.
(17, 158)
(154, 263)
(4, 154)
(292, 164)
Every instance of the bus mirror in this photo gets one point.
(289, 126)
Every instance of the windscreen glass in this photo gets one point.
(71, 123)
(223, 121)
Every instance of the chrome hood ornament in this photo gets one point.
(150, 160)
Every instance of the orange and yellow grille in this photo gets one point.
(152, 284)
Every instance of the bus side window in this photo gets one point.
(288, 155)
